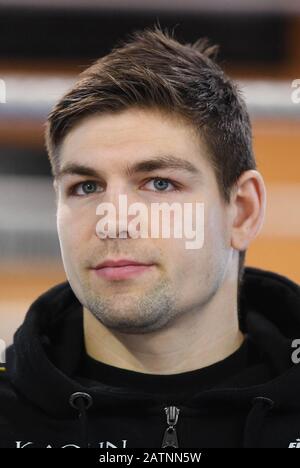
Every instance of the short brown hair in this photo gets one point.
(151, 69)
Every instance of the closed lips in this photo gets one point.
(120, 263)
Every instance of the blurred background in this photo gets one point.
(44, 44)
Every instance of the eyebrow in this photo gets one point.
(148, 165)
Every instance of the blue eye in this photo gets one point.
(88, 187)
(161, 184)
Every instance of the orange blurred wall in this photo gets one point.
(277, 149)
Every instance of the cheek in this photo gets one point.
(216, 229)
(74, 238)
(64, 221)
(183, 264)
(73, 227)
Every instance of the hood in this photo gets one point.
(47, 349)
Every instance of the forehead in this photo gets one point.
(131, 136)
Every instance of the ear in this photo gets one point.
(249, 204)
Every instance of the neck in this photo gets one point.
(194, 340)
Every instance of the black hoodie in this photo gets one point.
(53, 395)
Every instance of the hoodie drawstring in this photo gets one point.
(82, 402)
(260, 407)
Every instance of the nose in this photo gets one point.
(113, 210)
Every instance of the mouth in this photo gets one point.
(121, 269)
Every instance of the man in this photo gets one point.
(150, 343)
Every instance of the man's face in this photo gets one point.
(181, 280)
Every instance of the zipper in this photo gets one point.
(170, 435)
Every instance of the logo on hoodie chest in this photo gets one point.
(295, 444)
(105, 444)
